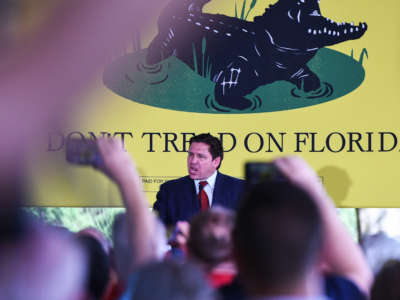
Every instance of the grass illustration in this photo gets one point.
(363, 53)
(205, 64)
(243, 14)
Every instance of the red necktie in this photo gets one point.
(204, 205)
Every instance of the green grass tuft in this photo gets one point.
(243, 10)
(363, 52)
(252, 5)
(243, 14)
(206, 65)
(195, 59)
(236, 13)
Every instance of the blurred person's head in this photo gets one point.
(7, 13)
(386, 284)
(98, 235)
(277, 238)
(39, 263)
(210, 238)
(23, 18)
(380, 248)
(122, 256)
(98, 266)
(123, 253)
(204, 156)
(61, 229)
(173, 281)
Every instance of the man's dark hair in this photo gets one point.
(210, 239)
(386, 283)
(277, 235)
(98, 266)
(215, 146)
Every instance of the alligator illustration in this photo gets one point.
(245, 55)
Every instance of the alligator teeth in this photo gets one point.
(329, 32)
(362, 25)
(351, 29)
(319, 31)
(338, 34)
(208, 28)
(309, 30)
(315, 13)
(345, 31)
(314, 32)
(352, 23)
(356, 28)
(334, 33)
(332, 21)
(324, 29)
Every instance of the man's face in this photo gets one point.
(200, 162)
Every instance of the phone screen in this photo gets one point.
(257, 172)
(82, 152)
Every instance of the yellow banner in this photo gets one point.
(292, 78)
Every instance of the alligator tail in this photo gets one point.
(164, 44)
(196, 6)
(180, 8)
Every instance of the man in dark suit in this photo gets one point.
(180, 199)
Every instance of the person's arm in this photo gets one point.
(119, 166)
(44, 76)
(340, 253)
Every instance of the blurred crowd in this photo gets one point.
(285, 241)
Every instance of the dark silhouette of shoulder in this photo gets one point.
(176, 182)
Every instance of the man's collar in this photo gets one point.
(210, 180)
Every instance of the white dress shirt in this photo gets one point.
(209, 188)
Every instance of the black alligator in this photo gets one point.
(245, 55)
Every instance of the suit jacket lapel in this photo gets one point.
(218, 194)
(190, 194)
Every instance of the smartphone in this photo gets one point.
(83, 152)
(257, 172)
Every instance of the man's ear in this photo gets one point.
(217, 161)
